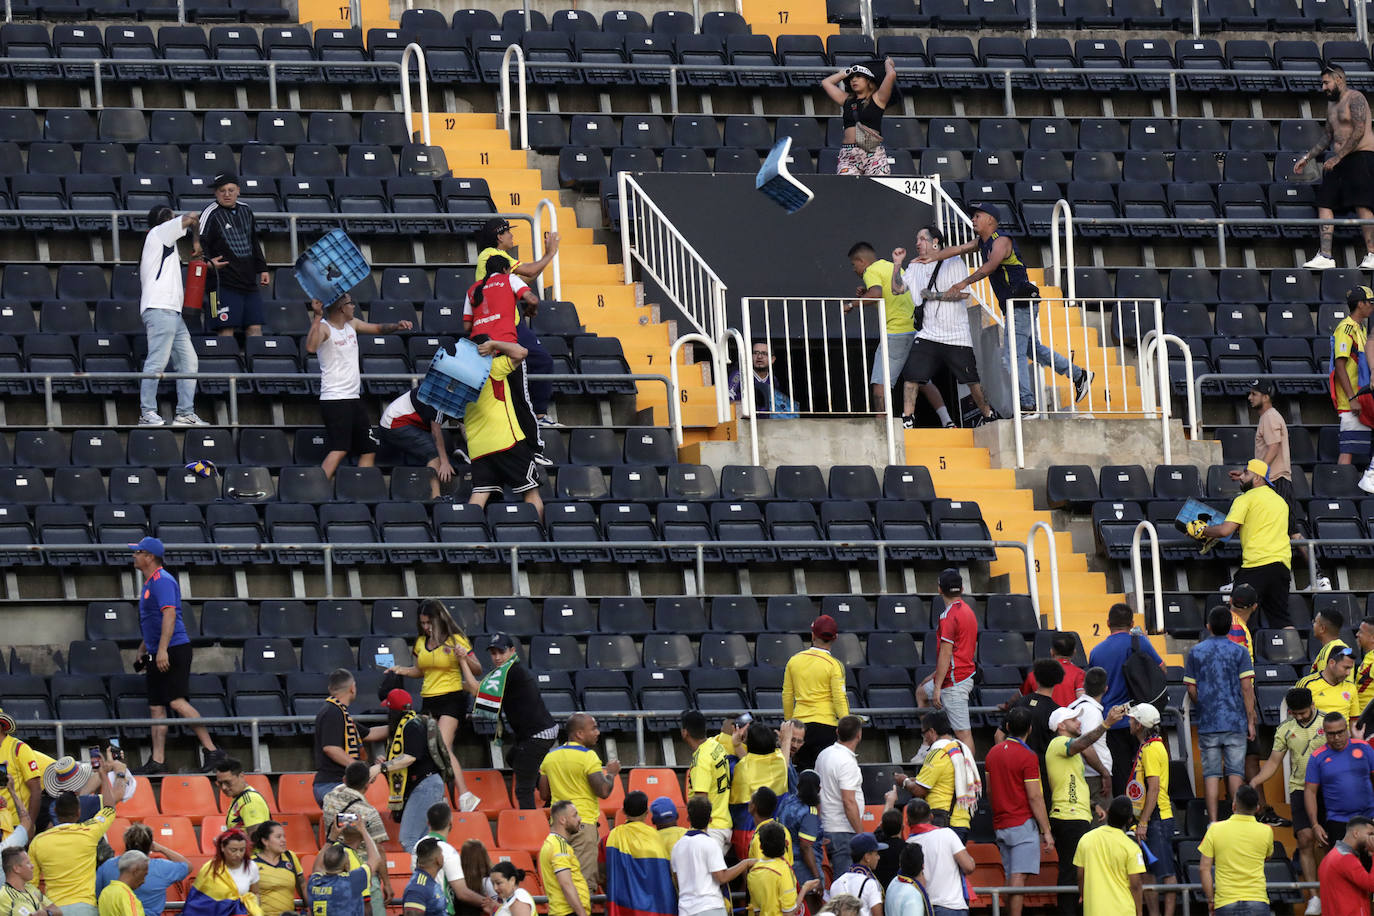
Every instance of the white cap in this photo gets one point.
(1062, 715)
(1145, 714)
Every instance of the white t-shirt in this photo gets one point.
(521, 896)
(453, 866)
(1090, 717)
(245, 878)
(517, 286)
(340, 378)
(159, 269)
(695, 857)
(944, 881)
(838, 768)
(866, 887)
(945, 322)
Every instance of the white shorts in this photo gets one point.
(954, 701)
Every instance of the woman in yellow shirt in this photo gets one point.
(231, 874)
(280, 877)
(762, 765)
(442, 650)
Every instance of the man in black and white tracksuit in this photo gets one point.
(229, 235)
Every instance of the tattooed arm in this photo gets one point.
(1357, 115)
(1317, 149)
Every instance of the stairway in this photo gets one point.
(962, 471)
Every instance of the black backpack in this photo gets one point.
(1145, 681)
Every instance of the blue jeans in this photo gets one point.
(1223, 754)
(322, 789)
(840, 859)
(414, 824)
(1027, 338)
(168, 338)
(1245, 908)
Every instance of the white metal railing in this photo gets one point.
(828, 373)
(648, 236)
(1033, 563)
(1137, 577)
(1154, 354)
(1061, 206)
(537, 243)
(717, 359)
(414, 50)
(1088, 345)
(519, 54)
(957, 228)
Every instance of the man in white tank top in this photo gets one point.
(334, 338)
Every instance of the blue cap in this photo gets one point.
(991, 210)
(151, 545)
(863, 843)
(663, 811)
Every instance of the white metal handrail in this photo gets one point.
(1062, 206)
(843, 343)
(649, 237)
(722, 396)
(746, 393)
(1034, 565)
(546, 206)
(414, 50)
(1137, 579)
(519, 54)
(1154, 355)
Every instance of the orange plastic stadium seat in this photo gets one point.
(655, 782)
(115, 835)
(175, 833)
(398, 863)
(615, 801)
(470, 825)
(300, 834)
(872, 816)
(296, 794)
(490, 787)
(377, 794)
(189, 796)
(522, 829)
(307, 862)
(521, 860)
(142, 806)
(260, 782)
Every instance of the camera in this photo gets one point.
(4, 775)
(344, 819)
(143, 661)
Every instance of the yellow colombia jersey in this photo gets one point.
(1340, 698)
(710, 774)
(482, 261)
(1239, 846)
(566, 768)
(554, 856)
(277, 884)
(1069, 793)
(23, 764)
(247, 810)
(441, 666)
(1324, 655)
(1263, 518)
(756, 850)
(1348, 340)
(490, 421)
(118, 899)
(1108, 858)
(772, 888)
(813, 687)
(1364, 679)
(1153, 760)
(899, 308)
(756, 770)
(937, 775)
(64, 858)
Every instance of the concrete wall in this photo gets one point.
(823, 442)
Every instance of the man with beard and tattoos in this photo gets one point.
(1349, 180)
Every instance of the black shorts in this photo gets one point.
(415, 443)
(175, 682)
(1284, 487)
(1296, 801)
(1349, 184)
(927, 356)
(1271, 583)
(453, 704)
(237, 309)
(514, 468)
(346, 427)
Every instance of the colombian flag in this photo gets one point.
(639, 880)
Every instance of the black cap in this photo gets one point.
(501, 642)
(991, 210)
(1244, 595)
(222, 179)
(1264, 386)
(951, 582)
(1358, 294)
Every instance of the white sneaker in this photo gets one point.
(1322, 584)
(468, 802)
(1366, 482)
(1368, 262)
(1314, 907)
(1225, 588)
(1321, 262)
(188, 419)
(151, 418)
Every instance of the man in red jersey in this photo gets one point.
(949, 687)
(493, 309)
(1345, 883)
(1071, 688)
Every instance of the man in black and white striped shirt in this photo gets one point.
(944, 338)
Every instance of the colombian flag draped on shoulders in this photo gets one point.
(639, 880)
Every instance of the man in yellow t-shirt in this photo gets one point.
(118, 897)
(247, 807)
(1333, 689)
(663, 814)
(64, 856)
(1238, 845)
(502, 456)
(1350, 343)
(708, 775)
(1266, 553)
(559, 869)
(771, 883)
(813, 691)
(25, 766)
(1364, 671)
(1148, 791)
(1111, 866)
(935, 781)
(762, 807)
(573, 772)
(1071, 808)
(875, 276)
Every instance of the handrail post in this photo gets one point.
(866, 17)
(515, 569)
(1165, 400)
(61, 740)
(99, 87)
(538, 243)
(1196, 19)
(181, 12)
(1146, 526)
(272, 84)
(1035, 20)
(1173, 94)
(1008, 103)
(255, 739)
(1054, 572)
(414, 49)
(505, 93)
(623, 182)
(1070, 287)
(528, 26)
(1009, 312)
(714, 351)
(328, 571)
(672, 82)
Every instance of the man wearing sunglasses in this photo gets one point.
(1343, 772)
(1333, 689)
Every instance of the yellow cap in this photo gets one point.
(1258, 467)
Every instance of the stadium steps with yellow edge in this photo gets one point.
(962, 471)
(477, 147)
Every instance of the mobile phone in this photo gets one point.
(96, 755)
(384, 660)
(4, 775)
(344, 819)
(116, 752)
